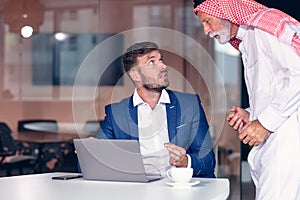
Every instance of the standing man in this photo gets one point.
(171, 126)
(269, 42)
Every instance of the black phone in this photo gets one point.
(66, 177)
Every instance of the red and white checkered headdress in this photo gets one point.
(251, 13)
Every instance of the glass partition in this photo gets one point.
(39, 74)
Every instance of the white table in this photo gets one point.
(41, 186)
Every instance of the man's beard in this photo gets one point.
(224, 33)
(155, 87)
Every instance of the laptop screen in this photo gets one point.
(113, 160)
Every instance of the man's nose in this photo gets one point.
(163, 65)
(206, 29)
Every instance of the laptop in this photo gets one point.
(112, 160)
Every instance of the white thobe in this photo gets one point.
(272, 76)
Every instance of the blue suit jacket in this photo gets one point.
(187, 127)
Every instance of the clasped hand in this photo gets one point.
(250, 132)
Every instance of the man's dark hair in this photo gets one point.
(197, 2)
(138, 49)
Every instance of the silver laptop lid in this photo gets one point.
(111, 160)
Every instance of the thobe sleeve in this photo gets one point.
(287, 101)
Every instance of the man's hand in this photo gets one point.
(253, 133)
(238, 118)
(178, 155)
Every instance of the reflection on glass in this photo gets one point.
(57, 58)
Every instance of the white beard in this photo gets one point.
(224, 33)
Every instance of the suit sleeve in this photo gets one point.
(106, 131)
(201, 149)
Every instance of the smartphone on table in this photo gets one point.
(67, 177)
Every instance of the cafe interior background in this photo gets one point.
(39, 72)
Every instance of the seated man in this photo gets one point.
(171, 126)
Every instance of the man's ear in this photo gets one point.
(134, 75)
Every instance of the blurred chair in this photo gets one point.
(51, 151)
(92, 127)
(31, 148)
(53, 156)
(52, 124)
(10, 160)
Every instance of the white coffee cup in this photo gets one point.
(180, 174)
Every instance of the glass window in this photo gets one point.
(38, 73)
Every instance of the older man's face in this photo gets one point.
(216, 28)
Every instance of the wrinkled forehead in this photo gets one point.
(203, 16)
(143, 58)
(149, 54)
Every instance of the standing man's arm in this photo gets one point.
(285, 63)
(238, 119)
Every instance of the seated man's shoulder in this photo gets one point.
(120, 103)
(180, 95)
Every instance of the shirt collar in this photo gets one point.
(241, 32)
(164, 98)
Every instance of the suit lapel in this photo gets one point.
(132, 120)
(172, 115)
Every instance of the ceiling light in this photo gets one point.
(20, 13)
(26, 31)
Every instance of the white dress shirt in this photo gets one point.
(153, 133)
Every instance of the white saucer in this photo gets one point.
(183, 185)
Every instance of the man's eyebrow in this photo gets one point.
(150, 57)
(204, 19)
